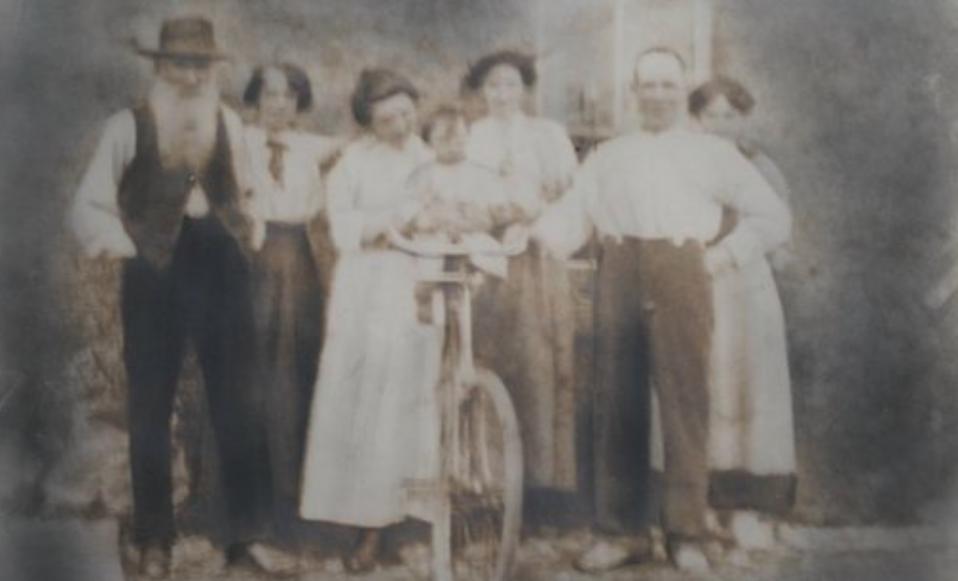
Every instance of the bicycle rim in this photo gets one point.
(486, 495)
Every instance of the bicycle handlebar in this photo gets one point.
(444, 249)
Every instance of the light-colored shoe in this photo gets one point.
(603, 556)
(155, 562)
(271, 560)
(606, 554)
(751, 532)
(690, 557)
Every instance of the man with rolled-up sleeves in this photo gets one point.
(655, 200)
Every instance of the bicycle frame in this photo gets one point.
(458, 370)
(458, 373)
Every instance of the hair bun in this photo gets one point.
(376, 84)
(522, 62)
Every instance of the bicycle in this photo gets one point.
(478, 497)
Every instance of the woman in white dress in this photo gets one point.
(526, 327)
(373, 423)
(288, 196)
(752, 439)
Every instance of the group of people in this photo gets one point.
(319, 364)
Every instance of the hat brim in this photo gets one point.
(199, 56)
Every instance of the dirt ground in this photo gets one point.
(87, 550)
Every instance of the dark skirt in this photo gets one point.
(740, 490)
(525, 328)
(289, 316)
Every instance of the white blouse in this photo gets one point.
(299, 195)
(533, 154)
(367, 183)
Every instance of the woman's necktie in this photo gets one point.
(276, 150)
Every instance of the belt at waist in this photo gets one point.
(608, 239)
(285, 228)
(653, 242)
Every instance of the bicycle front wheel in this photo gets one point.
(486, 489)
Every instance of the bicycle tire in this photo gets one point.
(484, 528)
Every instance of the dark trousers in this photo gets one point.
(203, 296)
(654, 325)
(289, 316)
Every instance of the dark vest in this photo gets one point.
(153, 198)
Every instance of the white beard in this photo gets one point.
(185, 127)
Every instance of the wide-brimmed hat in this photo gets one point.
(188, 37)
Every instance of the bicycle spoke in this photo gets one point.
(484, 487)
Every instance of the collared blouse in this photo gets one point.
(368, 183)
(297, 194)
(533, 154)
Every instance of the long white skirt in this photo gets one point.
(373, 431)
(751, 426)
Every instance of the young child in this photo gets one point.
(453, 200)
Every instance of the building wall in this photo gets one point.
(587, 51)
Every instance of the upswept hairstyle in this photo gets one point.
(520, 61)
(296, 79)
(376, 85)
(738, 96)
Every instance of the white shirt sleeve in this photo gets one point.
(236, 133)
(321, 149)
(564, 159)
(260, 187)
(478, 146)
(567, 225)
(242, 170)
(259, 194)
(345, 220)
(95, 214)
(764, 220)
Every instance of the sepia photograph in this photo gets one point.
(479, 290)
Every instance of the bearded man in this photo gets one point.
(165, 193)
